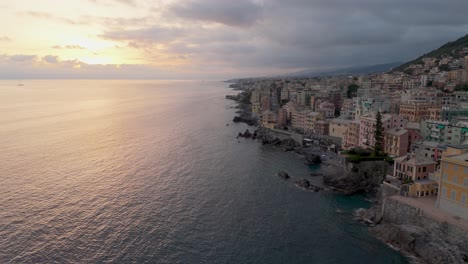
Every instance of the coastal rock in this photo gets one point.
(315, 174)
(283, 175)
(247, 134)
(306, 185)
(312, 159)
(353, 178)
(415, 233)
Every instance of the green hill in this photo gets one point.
(446, 49)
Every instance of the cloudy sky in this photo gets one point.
(216, 39)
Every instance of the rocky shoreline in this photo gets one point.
(416, 242)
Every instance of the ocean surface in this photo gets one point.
(148, 172)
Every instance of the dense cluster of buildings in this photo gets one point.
(424, 120)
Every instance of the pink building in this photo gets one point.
(265, 103)
(282, 117)
(367, 127)
(413, 167)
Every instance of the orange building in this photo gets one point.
(415, 111)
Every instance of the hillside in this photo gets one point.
(347, 71)
(447, 49)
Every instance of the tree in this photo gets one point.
(443, 67)
(352, 90)
(461, 87)
(378, 134)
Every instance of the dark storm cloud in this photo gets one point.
(238, 13)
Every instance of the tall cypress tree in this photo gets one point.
(378, 134)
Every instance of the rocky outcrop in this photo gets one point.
(283, 175)
(248, 120)
(410, 230)
(355, 177)
(306, 185)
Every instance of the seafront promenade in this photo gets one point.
(426, 207)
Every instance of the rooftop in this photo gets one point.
(458, 146)
(396, 131)
(462, 157)
(427, 143)
(412, 125)
(415, 160)
(340, 121)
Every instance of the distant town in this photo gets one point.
(415, 116)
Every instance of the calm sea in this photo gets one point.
(148, 172)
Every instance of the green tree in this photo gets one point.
(461, 87)
(444, 67)
(378, 134)
(352, 90)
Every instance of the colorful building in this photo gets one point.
(338, 128)
(367, 127)
(444, 132)
(453, 181)
(415, 111)
(396, 142)
(351, 139)
(413, 167)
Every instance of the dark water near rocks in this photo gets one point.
(148, 172)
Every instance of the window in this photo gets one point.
(465, 182)
(424, 169)
(455, 179)
(463, 198)
(445, 176)
(455, 167)
(465, 170)
(445, 165)
(419, 169)
(444, 191)
(453, 195)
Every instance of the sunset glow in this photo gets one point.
(198, 39)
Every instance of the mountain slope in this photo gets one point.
(446, 49)
(347, 71)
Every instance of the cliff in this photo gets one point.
(353, 178)
(415, 232)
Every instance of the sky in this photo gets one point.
(216, 39)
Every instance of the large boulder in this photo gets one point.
(283, 175)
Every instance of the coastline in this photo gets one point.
(337, 176)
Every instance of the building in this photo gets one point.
(338, 128)
(396, 142)
(310, 120)
(453, 183)
(367, 127)
(268, 119)
(413, 167)
(321, 127)
(265, 103)
(426, 149)
(444, 132)
(327, 109)
(415, 111)
(414, 170)
(351, 139)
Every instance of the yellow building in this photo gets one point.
(453, 181)
(338, 128)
